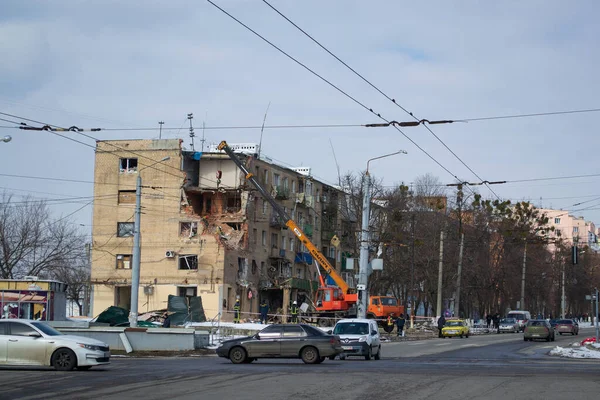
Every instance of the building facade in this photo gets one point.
(204, 230)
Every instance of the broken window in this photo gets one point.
(188, 229)
(128, 165)
(242, 267)
(262, 268)
(189, 261)
(125, 229)
(274, 240)
(187, 291)
(124, 261)
(234, 204)
(126, 197)
(254, 267)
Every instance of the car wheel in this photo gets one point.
(85, 368)
(249, 360)
(64, 360)
(321, 359)
(378, 355)
(237, 355)
(342, 356)
(310, 355)
(368, 355)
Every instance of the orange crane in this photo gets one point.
(331, 301)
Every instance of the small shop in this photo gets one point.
(33, 299)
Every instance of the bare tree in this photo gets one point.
(77, 278)
(31, 243)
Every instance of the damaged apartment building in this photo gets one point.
(205, 231)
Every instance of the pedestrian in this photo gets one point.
(166, 320)
(264, 310)
(496, 320)
(236, 311)
(400, 323)
(389, 324)
(294, 311)
(441, 323)
(489, 320)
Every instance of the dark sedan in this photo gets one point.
(567, 326)
(303, 341)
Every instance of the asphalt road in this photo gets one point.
(480, 367)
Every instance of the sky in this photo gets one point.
(129, 64)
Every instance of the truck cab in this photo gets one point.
(380, 307)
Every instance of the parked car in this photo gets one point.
(303, 341)
(538, 329)
(567, 326)
(553, 323)
(359, 337)
(27, 342)
(509, 325)
(455, 327)
(521, 316)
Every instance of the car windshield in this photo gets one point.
(508, 320)
(351, 328)
(46, 329)
(536, 323)
(454, 323)
(388, 301)
(518, 316)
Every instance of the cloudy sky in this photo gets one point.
(128, 64)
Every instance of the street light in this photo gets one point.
(135, 269)
(7, 138)
(364, 240)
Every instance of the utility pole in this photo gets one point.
(135, 259)
(460, 258)
(86, 288)
(562, 296)
(160, 123)
(413, 310)
(597, 330)
(440, 271)
(522, 304)
(190, 117)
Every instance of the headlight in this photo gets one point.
(362, 339)
(89, 346)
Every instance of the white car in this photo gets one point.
(27, 342)
(359, 337)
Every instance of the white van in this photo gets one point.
(359, 337)
(521, 316)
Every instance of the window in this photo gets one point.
(271, 332)
(128, 165)
(286, 184)
(293, 331)
(283, 242)
(292, 240)
(126, 197)
(124, 261)
(188, 229)
(18, 329)
(264, 238)
(557, 220)
(125, 229)
(189, 261)
(316, 222)
(300, 218)
(265, 207)
(575, 229)
(254, 236)
(266, 176)
(187, 291)
(274, 240)
(242, 267)
(293, 186)
(276, 179)
(299, 273)
(262, 268)
(332, 252)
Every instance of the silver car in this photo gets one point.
(509, 325)
(26, 342)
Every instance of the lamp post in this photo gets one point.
(135, 269)
(7, 138)
(364, 240)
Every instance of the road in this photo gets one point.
(491, 367)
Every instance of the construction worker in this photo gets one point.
(236, 312)
(390, 324)
(294, 311)
(400, 324)
(264, 310)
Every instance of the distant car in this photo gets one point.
(455, 327)
(567, 326)
(359, 337)
(538, 329)
(509, 325)
(303, 341)
(27, 342)
(553, 322)
(521, 316)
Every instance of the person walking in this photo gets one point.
(264, 311)
(488, 319)
(236, 311)
(440, 324)
(400, 324)
(294, 312)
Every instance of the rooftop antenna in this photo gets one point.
(262, 129)
(190, 116)
(336, 163)
(203, 128)
(160, 123)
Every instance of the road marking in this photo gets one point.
(443, 344)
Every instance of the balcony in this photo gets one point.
(276, 222)
(303, 258)
(308, 230)
(304, 284)
(282, 193)
(277, 253)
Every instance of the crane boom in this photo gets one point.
(289, 222)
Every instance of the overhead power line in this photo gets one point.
(543, 114)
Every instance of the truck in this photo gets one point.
(331, 302)
(380, 307)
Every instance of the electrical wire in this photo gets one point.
(590, 110)
(385, 95)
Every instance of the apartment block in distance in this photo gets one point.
(205, 231)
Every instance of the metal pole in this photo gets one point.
(562, 297)
(135, 269)
(439, 294)
(597, 330)
(522, 304)
(413, 310)
(460, 258)
(364, 248)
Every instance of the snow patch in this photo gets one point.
(581, 352)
